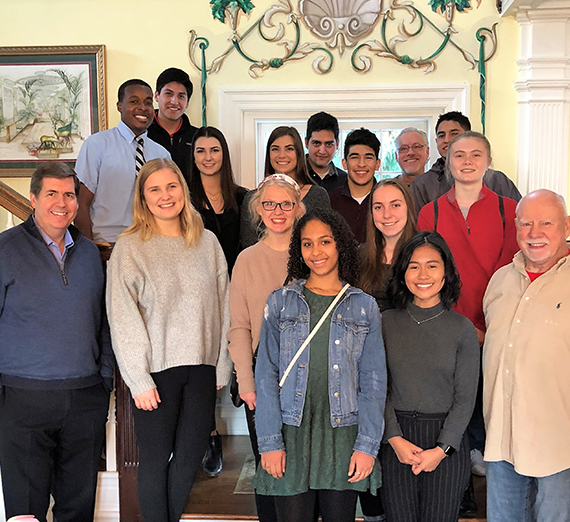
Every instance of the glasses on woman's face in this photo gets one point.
(270, 206)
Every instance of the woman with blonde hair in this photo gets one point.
(167, 302)
(258, 271)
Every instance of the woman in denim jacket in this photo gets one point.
(319, 433)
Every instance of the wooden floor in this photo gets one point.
(213, 498)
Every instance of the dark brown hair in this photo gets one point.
(375, 271)
(301, 172)
(227, 183)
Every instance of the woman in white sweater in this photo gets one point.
(167, 301)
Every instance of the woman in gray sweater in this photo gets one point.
(167, 301)
(432, 354)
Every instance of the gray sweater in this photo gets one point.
(168, 306)
(433, 367)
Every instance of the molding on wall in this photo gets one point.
(241, 108)
(543, 94)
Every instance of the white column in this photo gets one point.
(544, 93)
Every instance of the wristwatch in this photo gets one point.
(447, 449)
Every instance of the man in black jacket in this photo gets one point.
(434, 183)
(171, 127)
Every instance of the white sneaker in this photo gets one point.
(477, 463)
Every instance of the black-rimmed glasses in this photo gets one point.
(285, 206)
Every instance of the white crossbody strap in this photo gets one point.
(312, 334)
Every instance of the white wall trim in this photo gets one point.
(240, 108)
(543, 94)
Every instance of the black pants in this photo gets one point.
(336, 506)
(371, 504)
(476, 426)
(430, 496)
(264, 503)
(51, 441)
(173, 438)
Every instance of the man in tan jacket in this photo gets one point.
(526, 361)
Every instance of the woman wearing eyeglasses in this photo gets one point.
(258, 271)
(285, 155)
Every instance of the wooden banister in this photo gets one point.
(14, 202)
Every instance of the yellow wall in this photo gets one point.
(143, 37)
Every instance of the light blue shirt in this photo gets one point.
(106, 166)
(54, 248)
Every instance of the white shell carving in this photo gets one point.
(340, 22)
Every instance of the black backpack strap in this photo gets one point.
(502, 209)
(436, 215)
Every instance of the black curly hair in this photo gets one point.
(346, 245)
(399, 293)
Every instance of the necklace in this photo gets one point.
(213, 196)
(424, 320)
(322, 291)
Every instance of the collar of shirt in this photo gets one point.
(128, 134)
(158, 123)
(520, 263)
(52, 245)
(451, 194)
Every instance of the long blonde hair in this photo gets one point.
(144, 223)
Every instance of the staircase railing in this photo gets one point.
(14, 202)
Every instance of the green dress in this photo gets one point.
(318, 455)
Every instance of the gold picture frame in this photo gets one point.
(51, 99)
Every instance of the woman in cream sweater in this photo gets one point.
(167, 301)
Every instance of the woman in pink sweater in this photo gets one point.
(258, 271)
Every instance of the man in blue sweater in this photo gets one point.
(56, 363)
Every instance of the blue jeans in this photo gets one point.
(517, 498)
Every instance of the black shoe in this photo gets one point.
(468, 508)
(212, 463)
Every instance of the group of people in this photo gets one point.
(356, 314)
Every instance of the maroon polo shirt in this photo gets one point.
(355, 213)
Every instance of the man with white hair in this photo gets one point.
(412, 153)
(526, 361)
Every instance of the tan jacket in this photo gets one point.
(526, 368)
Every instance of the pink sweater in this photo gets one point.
(258, 271)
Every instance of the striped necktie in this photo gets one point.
(139, 156)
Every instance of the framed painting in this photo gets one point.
(51, 100)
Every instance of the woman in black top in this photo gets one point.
(433, 368)
(218, 199)
(214, 192)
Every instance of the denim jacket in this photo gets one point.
(357, 367)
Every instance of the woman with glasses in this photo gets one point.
(258, 271)
(285, 155)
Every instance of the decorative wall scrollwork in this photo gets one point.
(341, 24)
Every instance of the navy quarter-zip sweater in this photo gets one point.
(53, 329)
